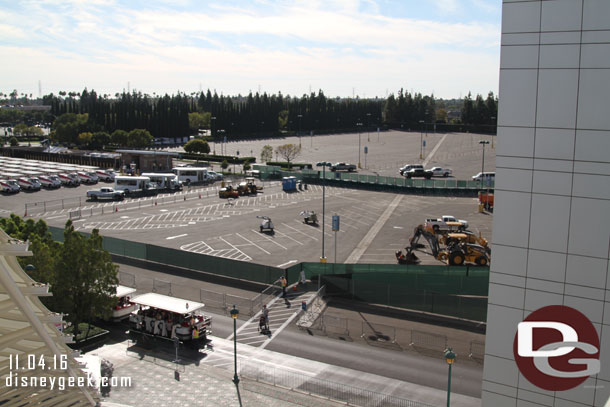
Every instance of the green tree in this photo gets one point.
(13, 141)
(68, 126)
(288, 151)
(247, 166)
(84, 139)
(20, 129)
(282, 119)
(199, 121)
(266, 154)
(85, 278)
(33, 131)
(99, 139)
(82, 276)
(119, 137)
(139, 138)
(224, 165)
(197, 146)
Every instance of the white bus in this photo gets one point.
(191, 175)
(164, 180)
(134, 185)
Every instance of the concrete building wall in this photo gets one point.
(551, 229)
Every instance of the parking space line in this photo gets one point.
(269, 239)
(289, 237)
(247, 240)
(296, 230)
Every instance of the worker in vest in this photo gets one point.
(284, 283)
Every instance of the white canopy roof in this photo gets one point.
(164, 302)
(122, 290)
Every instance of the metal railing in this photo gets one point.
(339, 392)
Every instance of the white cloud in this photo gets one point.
(332, 45)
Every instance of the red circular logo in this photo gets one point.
(556, 348)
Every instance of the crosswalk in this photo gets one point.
(282, 311)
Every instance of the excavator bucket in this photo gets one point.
(411, 258)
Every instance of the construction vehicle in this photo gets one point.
(228, 192)
(266, 224)
(309, 217)
(459, 248)
(251, 181)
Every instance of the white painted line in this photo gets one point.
(177, 236)
(429, 157)
(287, 263)
(289, 237)
(373, 231)
(254, 244)
(271, 240)
(297, 230)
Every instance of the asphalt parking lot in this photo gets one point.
(373, 225)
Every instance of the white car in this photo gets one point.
(215, 176)
(69, 179)
(29, 184)
(9, 185)
(87, 177)
(486, 177)
(441, 172)
(50, 181)
(105, 175)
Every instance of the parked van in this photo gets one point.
(50, 181)
(10, 186)
(105, 175)
(134, 185)
(168, 181)
(87, 177)
(485, 177)
(29, 184)
(69, 179)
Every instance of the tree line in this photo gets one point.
(263, 115)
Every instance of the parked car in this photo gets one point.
(29, 184)
(485, 177)
(50, 181)
(343, 167)
(87, 177)
(69, 179)
(10, 186)
(418, 171)
(407, 167)
(105, 175)
(215, 176)
(105, 193)
(441, 172)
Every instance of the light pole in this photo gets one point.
(234, 314)
(449, 358)
(493, 118)
(300, 116)
(212, 119)
(483, 143)
(323, 164)
(421, 140)
(359, 124)
(222, 132)
(368, 127)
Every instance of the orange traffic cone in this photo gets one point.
(294, 287)
(116, 209)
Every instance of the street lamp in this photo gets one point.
(483, 143)
(323, 164)
(368, 127)
(449, 358)
(359, 124)
(300, 116)
(234, 314)
(222, 132)
(421, 140)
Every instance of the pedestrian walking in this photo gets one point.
(284, 283)
(264, 320)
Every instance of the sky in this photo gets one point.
(346, 48)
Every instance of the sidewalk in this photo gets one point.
(154, 384)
